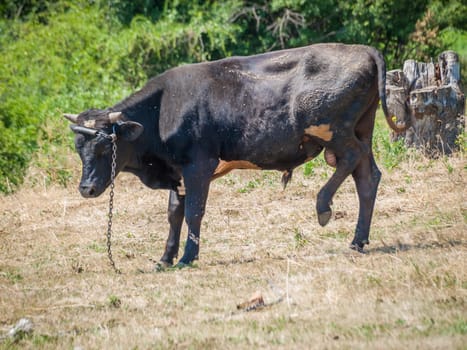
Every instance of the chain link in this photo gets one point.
(111, 205)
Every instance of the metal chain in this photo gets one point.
(111, 205)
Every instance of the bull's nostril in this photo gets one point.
(87, 190)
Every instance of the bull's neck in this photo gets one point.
(143, 107)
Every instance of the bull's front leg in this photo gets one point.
(197, 177)
(175, 215)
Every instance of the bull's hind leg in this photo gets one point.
(366, 176)
(347, 159)
(175, 215)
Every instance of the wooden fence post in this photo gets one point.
(430, 95)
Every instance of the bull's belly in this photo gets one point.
(272, 155)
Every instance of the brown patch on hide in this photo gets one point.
(90, 123)
(322, 131)
(225, 167)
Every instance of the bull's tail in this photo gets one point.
(381, 65)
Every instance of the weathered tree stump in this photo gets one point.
(428, 96)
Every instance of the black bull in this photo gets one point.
(276, 110)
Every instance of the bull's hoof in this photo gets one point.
(359, 247)
(181, 265)
(162, 266)
(324, 217)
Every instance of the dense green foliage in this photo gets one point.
(67, 56)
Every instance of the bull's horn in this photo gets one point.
(115, 117)
(71, 117)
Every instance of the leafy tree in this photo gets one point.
(449, 22)
(385, 24)
(125, 10)
(279, 24)
(22, 9)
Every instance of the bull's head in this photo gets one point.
(95, 130)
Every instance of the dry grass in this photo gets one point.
(408, 292)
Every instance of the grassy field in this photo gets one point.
(408, 292)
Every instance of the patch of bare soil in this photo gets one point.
(409, 291)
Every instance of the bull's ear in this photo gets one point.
(130, 131)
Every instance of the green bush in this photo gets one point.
(48, 68)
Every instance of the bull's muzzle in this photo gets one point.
(88, 191)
